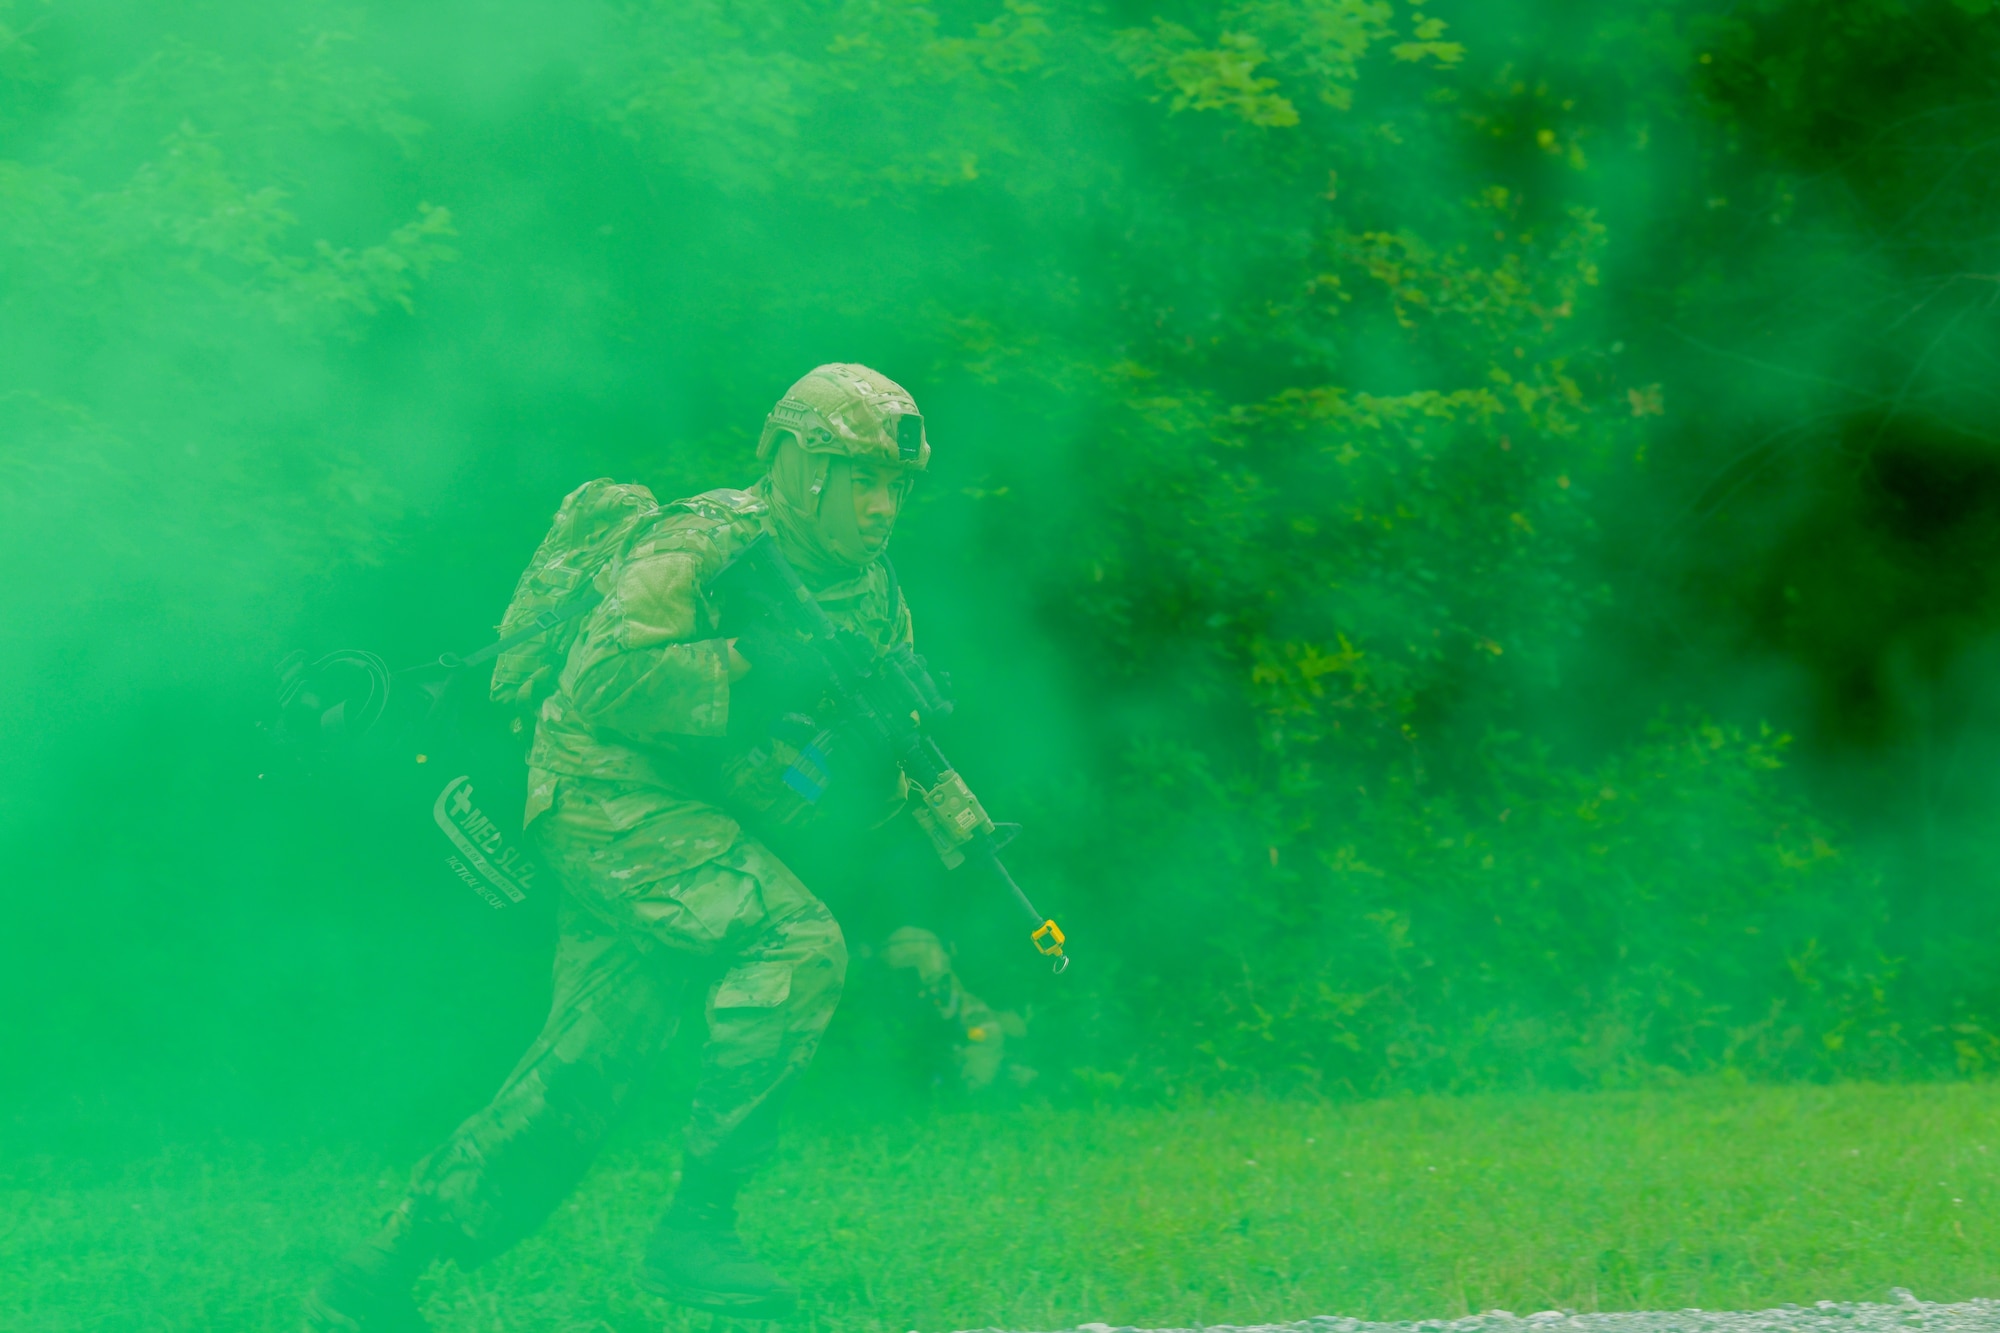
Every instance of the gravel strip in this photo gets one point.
(1904, 1312)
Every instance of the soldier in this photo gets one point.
(656, 723)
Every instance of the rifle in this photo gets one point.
(889, 701)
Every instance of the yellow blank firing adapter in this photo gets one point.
(1049, 943)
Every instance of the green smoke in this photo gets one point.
(1402, 473)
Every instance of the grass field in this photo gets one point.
(1228, 1212)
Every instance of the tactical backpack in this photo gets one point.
(596, 523)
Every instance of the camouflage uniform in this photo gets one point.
(634, 770)
(662, 887)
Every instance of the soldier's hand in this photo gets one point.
(739, 665)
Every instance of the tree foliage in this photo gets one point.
(1369, 436)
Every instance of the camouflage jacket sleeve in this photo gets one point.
(642, 668)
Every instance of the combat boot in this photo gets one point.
(368, 1290)
(695, 1257)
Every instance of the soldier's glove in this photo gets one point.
(786, 676)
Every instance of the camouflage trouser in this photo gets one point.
(658, 892)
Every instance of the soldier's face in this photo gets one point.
(879, 493)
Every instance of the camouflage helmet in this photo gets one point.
(849, 410)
